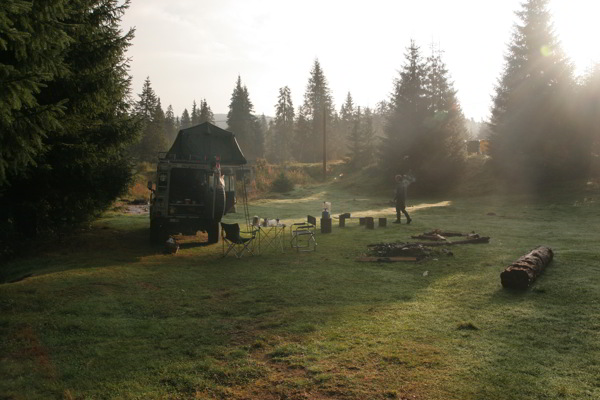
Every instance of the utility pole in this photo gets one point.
(324, 143)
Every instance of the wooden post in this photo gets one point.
(382, 222)
(370, 223)
(342, 222)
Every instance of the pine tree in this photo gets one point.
(407, 110)
(346, 122)
(186, 121)
(283, 129)
(195, 116)
(84, 163)
(318, 106)
(33, 43)
(146, 105)
(242, 122)
(300, 150)
(170, 125)
(206, 114)
(355, 139)
(444, 132)
(367, 154)
(149, 111)
(589, 114)
(532, 132)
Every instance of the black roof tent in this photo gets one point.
(202, 143)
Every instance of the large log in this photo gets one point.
(522, 273)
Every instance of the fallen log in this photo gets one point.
(522, 273)
(436, 237)
(484, 239)
(386, 259)
(447, 234)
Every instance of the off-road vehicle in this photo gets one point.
(195, 183)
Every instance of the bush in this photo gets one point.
(282, 183)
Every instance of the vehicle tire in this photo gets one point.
(214, 231)
(158, 234)
(219, 205)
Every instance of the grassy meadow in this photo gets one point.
(104, 315)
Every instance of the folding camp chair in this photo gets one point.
(239, 242)
(303, 236)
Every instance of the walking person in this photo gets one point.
(402, 183)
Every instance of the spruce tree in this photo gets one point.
(533, 138)
(206, 114)
(33, 44)
(170, 125)
(355, 139)
(441, 143)
(318, 106)
(346, 122)
(283, 128)
(186, 121)
(83, 164)
(195, 115)
(149, 111)
(407, 110)
(589, 115)
(367, 154)
(242, 122)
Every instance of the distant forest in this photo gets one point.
(71, 132)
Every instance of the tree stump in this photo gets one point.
(342, 221)
(370, 223)
(522, 273)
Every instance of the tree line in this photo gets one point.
(70, 133)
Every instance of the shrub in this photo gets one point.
(282, 183)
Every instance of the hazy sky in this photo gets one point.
(195, 49)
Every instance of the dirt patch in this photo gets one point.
(34, 349)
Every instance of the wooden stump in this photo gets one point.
(362, 221)
(342, 222)
(522, 273)
(382, 222)
(370, 223)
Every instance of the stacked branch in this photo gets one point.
(523, 272)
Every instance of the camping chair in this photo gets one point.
(303, 236)
(239, 241)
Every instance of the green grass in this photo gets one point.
(105, 315)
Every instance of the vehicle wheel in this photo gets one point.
(214, 231)
(158, 235)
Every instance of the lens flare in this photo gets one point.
(546, 51)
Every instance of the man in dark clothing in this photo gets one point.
(402, 183)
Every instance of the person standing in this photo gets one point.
(402, 183)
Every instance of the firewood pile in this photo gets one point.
(416, 251)
(398, 249)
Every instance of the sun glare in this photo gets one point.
(577, 25)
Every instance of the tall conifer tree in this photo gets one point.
(195, 115)
(206, 114)
(283, 129)
(407, 110)
(186, 121)
(83, 164)
(242, 122)
(532, 133)
(318, 106)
